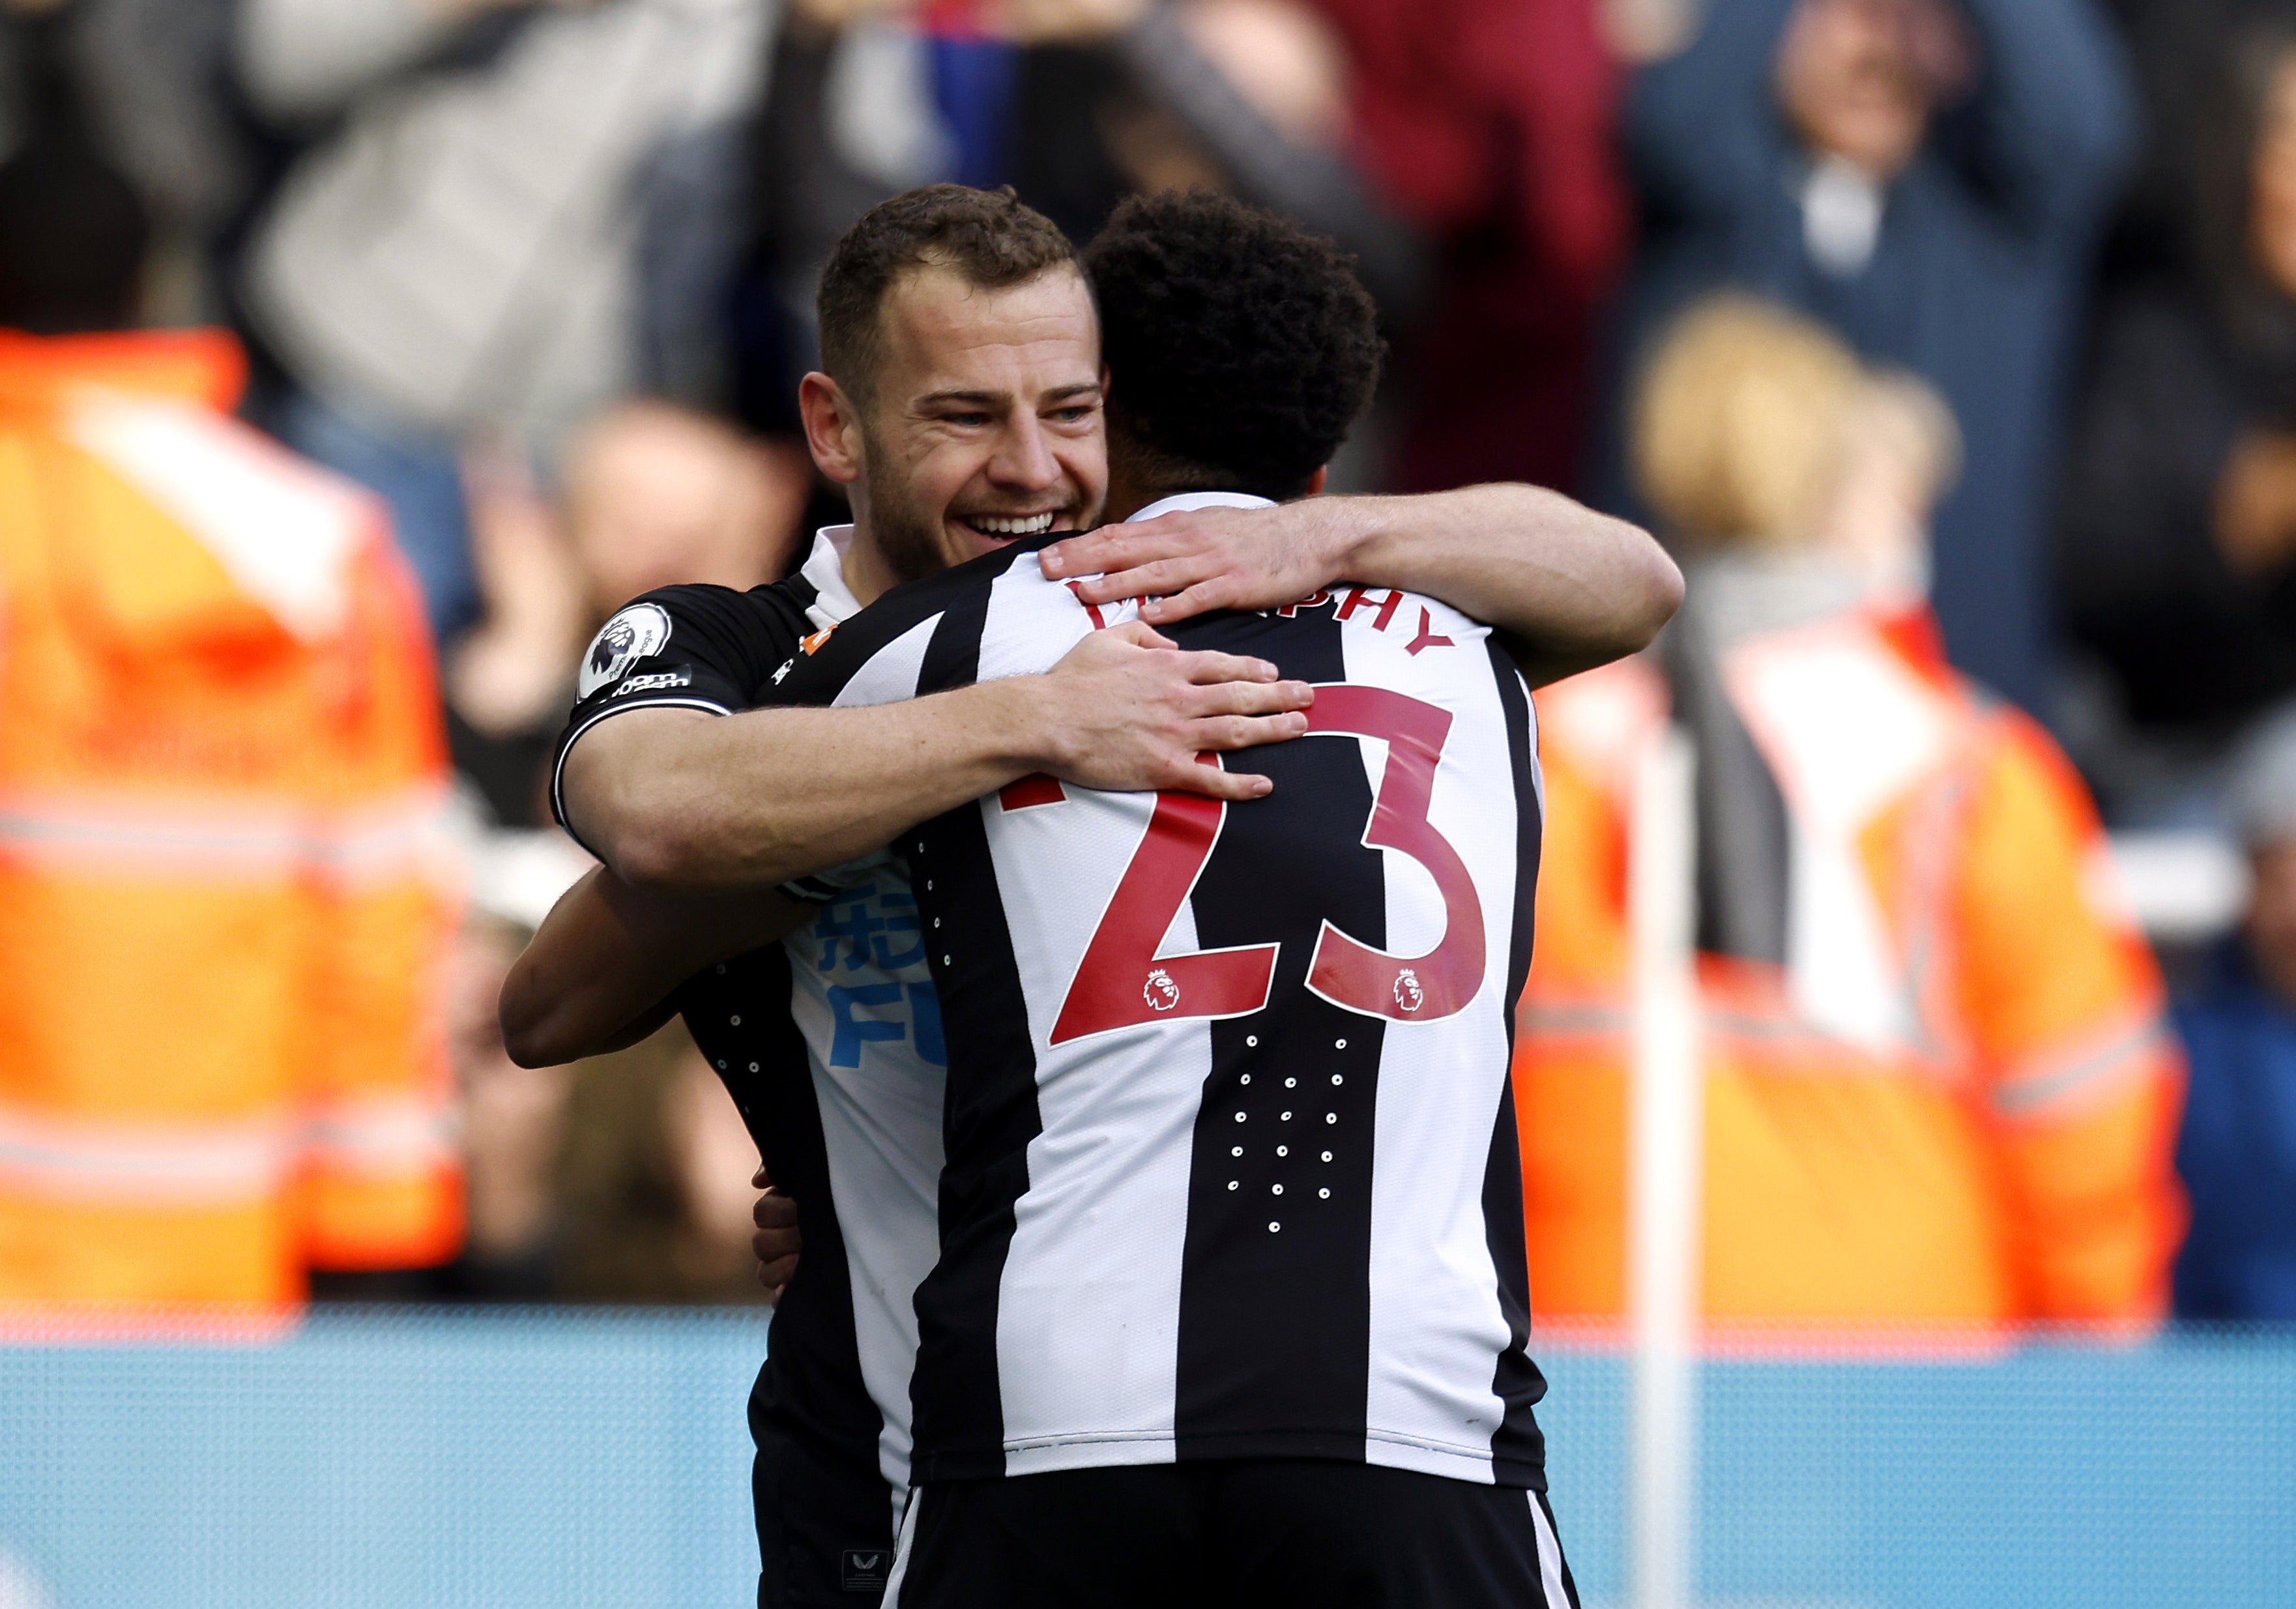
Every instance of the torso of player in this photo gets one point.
(858, 991)
(863, 996)
(1180, 1033)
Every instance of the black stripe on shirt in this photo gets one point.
(1518, 1448)
(818, 677)
(811, 1387)
(991, 1114)
(1275, 1324)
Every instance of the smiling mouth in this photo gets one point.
(1009, 528)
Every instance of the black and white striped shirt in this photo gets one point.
(829, 1041)
(1231, 1162)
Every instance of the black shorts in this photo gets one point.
(1268, 1534)
(825, 1519)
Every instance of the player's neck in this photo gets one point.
(1127, 499)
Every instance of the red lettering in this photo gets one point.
(1122, 981)
(1099, 621)
(1407, 989)
(1428, 636)
(1031, 791)
(1359, 597)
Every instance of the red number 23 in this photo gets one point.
(1122, 981)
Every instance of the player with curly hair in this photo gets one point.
(1241, 372)
(1232, 1301)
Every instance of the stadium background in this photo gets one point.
(535, 273)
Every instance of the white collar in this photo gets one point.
(1188, 502)
(833, 603)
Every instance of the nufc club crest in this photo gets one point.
(636, 633)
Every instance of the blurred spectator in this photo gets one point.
(220, 752)
(146, 76)
(2238, 1150)
(1938, 1086)
(2178, 519)
(1093, 99)
(654, 1179)
(625, 1177)
(461, 251)
(1489, 125)
(513, 1120)
(1927, 179)
(1461, 149)
(653, 495)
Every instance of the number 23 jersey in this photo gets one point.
(1231, 1163)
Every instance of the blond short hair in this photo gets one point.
(1744, 415)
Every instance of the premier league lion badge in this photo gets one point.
(638, 632)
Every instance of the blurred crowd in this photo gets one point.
(1951, 344)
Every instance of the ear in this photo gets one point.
(1315, 482)
(832, 428)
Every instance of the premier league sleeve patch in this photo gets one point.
(637, 632)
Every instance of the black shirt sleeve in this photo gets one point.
(708, 648)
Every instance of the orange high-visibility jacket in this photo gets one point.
(1955, 1100)
(225, 883)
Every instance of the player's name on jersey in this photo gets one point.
(1375, 609)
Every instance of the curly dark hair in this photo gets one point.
(986, 235)
(1242, 346)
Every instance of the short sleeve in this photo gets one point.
(707, 648)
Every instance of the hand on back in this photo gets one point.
(1129, 712)
(1190, 563)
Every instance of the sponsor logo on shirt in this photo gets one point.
(636, 633)
(654, 683)
(812, 644)
(871, 959)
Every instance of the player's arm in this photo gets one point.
(605, 964)
(1566, 587)
(679, 799)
